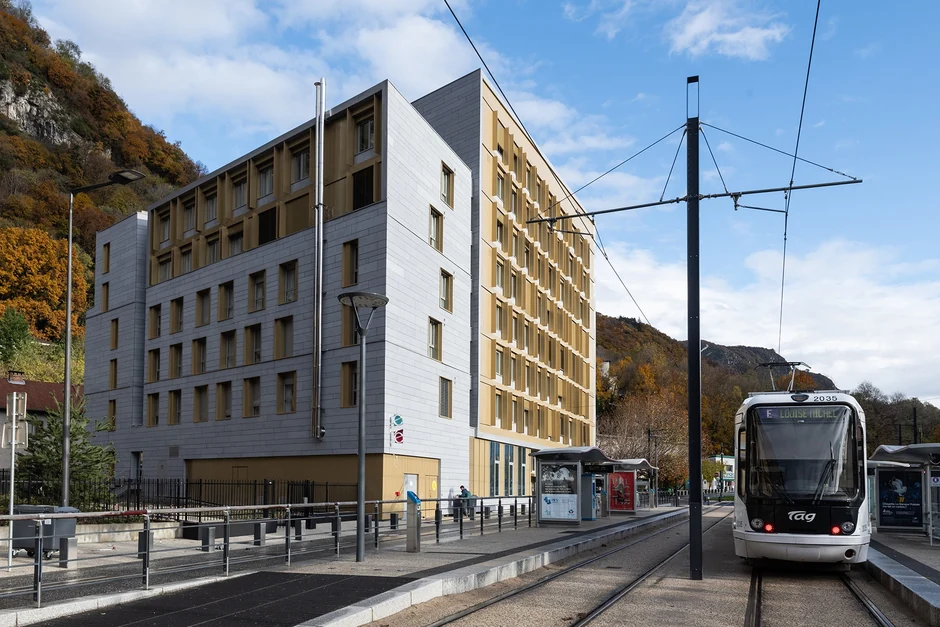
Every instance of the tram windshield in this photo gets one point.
(801, 452)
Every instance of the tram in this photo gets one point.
(801, 491)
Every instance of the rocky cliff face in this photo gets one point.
(38, 114)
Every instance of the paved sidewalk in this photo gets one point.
(315, 586)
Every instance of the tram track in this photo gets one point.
(755, 601)
(609, 601)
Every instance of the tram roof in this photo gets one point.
(924, 454)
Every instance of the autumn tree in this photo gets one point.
(33, 280)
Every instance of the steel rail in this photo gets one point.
(873, 611)
(623, 591)
(755, 599)
(544, 580)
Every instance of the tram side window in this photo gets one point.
(742, 450)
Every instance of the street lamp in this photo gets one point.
(357, 300)
(121, 177)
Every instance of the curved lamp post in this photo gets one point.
(121, 177)
(373, 301)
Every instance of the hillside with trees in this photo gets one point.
(63, 126)
(642, 396)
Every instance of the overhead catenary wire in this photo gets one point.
(789, 194)
(672, 167)
(715, 161)
(518, 118)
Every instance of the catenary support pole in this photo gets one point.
(694, 344)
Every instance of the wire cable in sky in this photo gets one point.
(715, 161)
(789, 194)
(617, 274)
(782, 152)
(672, 167)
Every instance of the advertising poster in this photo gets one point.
(900, 498)
(559, 492)
(622, 490)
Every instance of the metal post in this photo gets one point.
(515, 514)
(147, 544)
(37, 566)
(482, 510)
(694, 343)
(318, 283)
(376, 526)
(287, 532)
(438, 515)
(460, 516)
(227, 543)
(361, 488)
(16, 403)
(338, 525)
(66, 414)
(499, 514)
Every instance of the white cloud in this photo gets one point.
(863, 318)
(725, 147)
(866, 52)
(613, 15)
(723, 27)
(832, 27)
(819, 124)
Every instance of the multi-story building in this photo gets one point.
(200, 348)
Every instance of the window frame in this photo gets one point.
(447, 185)
(436, 230)
(435, 339)
(445, 391)
(446, 290)
(350, 263)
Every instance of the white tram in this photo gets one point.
(801, 486)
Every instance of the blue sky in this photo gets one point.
(595, 81)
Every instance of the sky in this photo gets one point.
(595, 81)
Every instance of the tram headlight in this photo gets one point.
(848, 527)
(757, 523)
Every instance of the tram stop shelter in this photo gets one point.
(901, 474)
(573, 484)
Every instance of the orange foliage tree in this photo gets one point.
(33, 280)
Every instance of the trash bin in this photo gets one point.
(24, 531)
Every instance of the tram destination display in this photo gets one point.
(622, 489)
(900, 498)
(558, 496)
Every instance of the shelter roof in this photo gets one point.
(928, 453)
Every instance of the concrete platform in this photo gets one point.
(331, 591)
(907, 565)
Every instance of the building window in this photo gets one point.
(226, 300)
(267, 226)
(112, 374)
(434, 339)
(494, 469)
(176, 315)
(203, 300)
(447, 291)
(112, 415)
(509, 475)
(201, 403)
(500, 186)
(253, 344)
(105, 294)
(265, 182)
(165, 268)
(223, 400)
(525, 426)
(500, 233)
(499, 364)
(516, 331)
(512, 382)
(284, 337)
(212, 249)
(528, 379)
(436, 230)
(350, 263)
(251, 395)
(525, 256)
(445, 408)
(286, 392)
(114, 334)
(176, 361)
(240, 194)
(362, 188)
(300, 166)
(164, 221)
(153, 365)
(212, 208)
(105, 258)
(288, 282)
(365, 135)
(349, 325)
(235, 243)
(523, 476)
(447, 185)
(499, 320)
(186, 261)
(349, 384)
(153, 410)
(199, 355)
(227, 350)
(189, 216)
(256, 291)
(514, 205)
(174, 407)
(500, 270)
